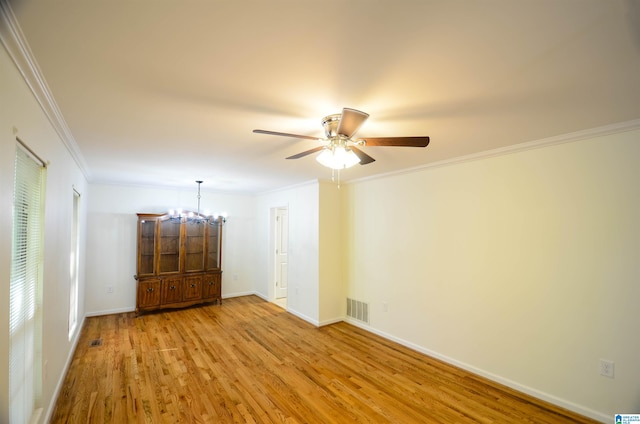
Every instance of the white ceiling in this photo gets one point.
(166, 92)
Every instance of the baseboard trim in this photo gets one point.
(289, 309)
(563, 403)
(110, 312)
(56, 391)
(133, 309)
(240, 294)
(330, 321)
(303, 317)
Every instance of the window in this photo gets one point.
(74, 256)
(25, 290)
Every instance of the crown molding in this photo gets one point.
(602, 131)
(16, 45)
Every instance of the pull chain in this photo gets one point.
(333, 176)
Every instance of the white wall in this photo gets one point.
(112, 232)
(316, 292)
(303, 204)
(522, 267)
(20, 110)
(331, 288)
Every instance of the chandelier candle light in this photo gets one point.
(198, 218)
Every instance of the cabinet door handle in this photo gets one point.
(172, 287)
(150, 289)
(211, 283)
(193, 285)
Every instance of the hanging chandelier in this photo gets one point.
(197, 217)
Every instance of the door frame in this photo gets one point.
(282, 229)
(273, 213)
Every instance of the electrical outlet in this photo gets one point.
(109, 289)
(385, 306)
(606, 368)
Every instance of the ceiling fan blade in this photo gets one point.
(307, 137)
(396, 141)
(364, 158)
(351, 121)
(305, 153)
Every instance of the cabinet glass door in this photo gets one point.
(169, 246)
(147, 234)
(194, 246)
(213, 246)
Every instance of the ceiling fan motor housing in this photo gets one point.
(330, 124)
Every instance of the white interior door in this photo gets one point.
(281, 251)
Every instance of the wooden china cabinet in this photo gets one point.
(179, 262)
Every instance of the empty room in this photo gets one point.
(302, 212)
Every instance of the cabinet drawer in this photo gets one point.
(148, 293)
(171, 290)
(211, 287)
(192, 288)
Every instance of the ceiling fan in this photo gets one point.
(341, 150)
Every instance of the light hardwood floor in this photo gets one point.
(249, 361)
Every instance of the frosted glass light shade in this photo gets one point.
(338, 158)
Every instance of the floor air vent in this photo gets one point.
(358, 310)
(96, 342)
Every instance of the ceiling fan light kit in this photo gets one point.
(341, 151)
(337, 157)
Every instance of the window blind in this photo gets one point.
(25, 327)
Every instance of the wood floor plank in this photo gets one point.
(249, 361)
